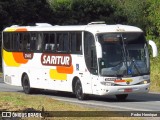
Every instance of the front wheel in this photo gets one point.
(78, 91)
(121, 97)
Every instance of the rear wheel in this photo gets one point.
(26, 85)
(121, 97)
(79, 91)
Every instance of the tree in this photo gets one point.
(5, 19)
(154, 18)
(24, 12)
(85, 11)
(136, 12)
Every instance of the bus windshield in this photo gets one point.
(123, 54)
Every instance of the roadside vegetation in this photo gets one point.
(155, 75)
(22, 102)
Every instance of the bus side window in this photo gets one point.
(73, 42)
(12, 42)
(63, 42)
(7, 40)
(60, 42)
(20, 39)
(33, 39)
(79, 42)
(66, 42)
(15, 44)
(49, 42)
(76, 42)
(26, 42)
(39, 41)
(46, 41)
(52, 42)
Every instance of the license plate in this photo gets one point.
(128, 90)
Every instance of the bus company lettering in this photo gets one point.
(56, 59)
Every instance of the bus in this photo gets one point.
(92, 59)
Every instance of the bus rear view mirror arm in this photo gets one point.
(154, 48)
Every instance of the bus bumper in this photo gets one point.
(114, 90)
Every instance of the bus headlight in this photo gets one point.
(107, 83)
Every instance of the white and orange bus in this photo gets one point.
(96, 59)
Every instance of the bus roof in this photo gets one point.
(93, 28)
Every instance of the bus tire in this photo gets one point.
(79, 91)
(26, 85)
(121, 97)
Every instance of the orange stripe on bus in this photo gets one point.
(120, 81)
(18, 57)
(21, 29)
(67, 70)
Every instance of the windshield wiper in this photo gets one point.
(134, 64)
(124, 52)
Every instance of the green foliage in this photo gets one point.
(136, 12)
(60, 5)
(98, 10)
(23, 12)
(84, 11)
(154, 17)
(62, 11)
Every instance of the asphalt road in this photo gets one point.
(136, 102)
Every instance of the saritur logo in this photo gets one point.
(56, 59)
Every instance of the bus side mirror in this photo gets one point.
(154, 48)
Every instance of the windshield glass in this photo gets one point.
(123, 54)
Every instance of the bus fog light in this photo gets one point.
(145, 82)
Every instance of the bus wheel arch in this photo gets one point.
(77, 89)
(26, 83)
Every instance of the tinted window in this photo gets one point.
(49, 42)
(76, 42)
(6, 40)
(65, 42)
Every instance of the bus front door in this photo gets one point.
(94, 79)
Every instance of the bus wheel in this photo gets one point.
(121, 97)
(26, 85)
(78, 91)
